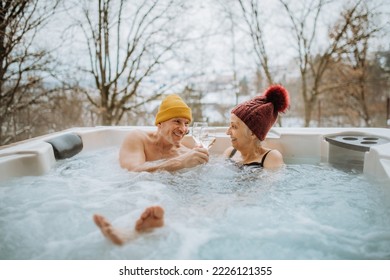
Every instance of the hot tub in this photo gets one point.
(298, 145)
(307, 210)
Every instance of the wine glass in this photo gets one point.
(196, 131)
(207, 136)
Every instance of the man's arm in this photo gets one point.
(132, 156)
(189, 159)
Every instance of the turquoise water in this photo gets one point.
(213, 211)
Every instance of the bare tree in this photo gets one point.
(228, 12)
(251, 12)
(313, 64)
(127, 41)
(254, 19)
(353, 51)
(22, 65)
(304, 31)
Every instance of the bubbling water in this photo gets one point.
(213, 211)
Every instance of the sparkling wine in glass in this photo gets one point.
(196, 131)
(207, 136)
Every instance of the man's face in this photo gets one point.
(175, 129)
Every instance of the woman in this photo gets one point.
(250, 122)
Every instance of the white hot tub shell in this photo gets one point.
(298, 146)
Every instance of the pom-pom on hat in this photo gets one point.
(173, 107)
(260, 113)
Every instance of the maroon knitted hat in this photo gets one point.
(260, 113)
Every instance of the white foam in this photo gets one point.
(212, 211)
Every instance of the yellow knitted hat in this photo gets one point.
(173, 107)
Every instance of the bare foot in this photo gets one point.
(109, 231)
(152, 217)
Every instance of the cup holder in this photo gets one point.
(360, 143)
(347, 151)
(368, 142)
(350, 138)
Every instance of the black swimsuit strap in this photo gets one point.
(263, 159)
(233, 152)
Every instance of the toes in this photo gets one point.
(147, 212)
(97, 219)
(101, 222)
(158, 212)
(154, 212)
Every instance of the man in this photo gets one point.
(162, 149)
(152, 151)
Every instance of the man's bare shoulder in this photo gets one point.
(136, 139)
(138, 134)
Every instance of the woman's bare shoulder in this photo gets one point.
(274, 159)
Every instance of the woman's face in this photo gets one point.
(240, 134)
